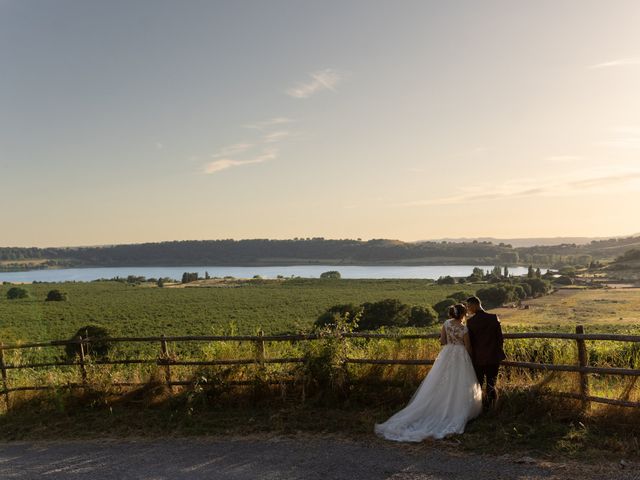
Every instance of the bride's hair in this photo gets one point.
(457, 311)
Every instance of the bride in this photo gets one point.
(447, 398)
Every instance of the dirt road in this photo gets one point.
(278, 457)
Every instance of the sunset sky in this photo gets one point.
(126, 121)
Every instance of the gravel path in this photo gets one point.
(301, 456)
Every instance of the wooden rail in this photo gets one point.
(166, 360)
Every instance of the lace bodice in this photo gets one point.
(455, 332)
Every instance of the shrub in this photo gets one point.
(442, 307)
(388, 312)
(97, 348)
(494, 296)
(460, 296)
(330, 274)
(563, 280)
(332, 315)
(448, 280)
(422, 316)
(519, 292)
(15, 293)
(538, 286)
(370, 316)
(56, 296)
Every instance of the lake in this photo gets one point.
(305, 271)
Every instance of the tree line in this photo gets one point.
(317, 250)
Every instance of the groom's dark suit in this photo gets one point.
(485, 334)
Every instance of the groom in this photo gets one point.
(485, 334)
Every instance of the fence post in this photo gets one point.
(165, 358)
(5, 383)
(583, 361)
(260, 350)
(83, 368)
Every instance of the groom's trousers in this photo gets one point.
(490, 373)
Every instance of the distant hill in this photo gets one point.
(527, 242)
(318, 251)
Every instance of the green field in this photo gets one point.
(293, 305)
(128, 310)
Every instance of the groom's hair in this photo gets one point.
(474, 301)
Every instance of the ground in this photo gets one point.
(298, 456)
(599, 308)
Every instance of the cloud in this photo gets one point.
(235, 155)
(226, 163)
(159, 146)
(628, 137)
(231, 150)
(564, 158)
(270, 122)
(326, 79)
(521, 189)
(622, 142)
(619, 62)
(273, 137)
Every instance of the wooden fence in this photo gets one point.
(166, 360)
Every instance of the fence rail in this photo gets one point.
(166, 361)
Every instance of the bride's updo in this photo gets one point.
(457, 311)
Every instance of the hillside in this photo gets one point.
(315, 251)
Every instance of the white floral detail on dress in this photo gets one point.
(455, 332)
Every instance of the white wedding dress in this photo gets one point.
(446, 399)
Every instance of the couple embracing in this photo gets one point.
(451, 393)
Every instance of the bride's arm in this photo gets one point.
(467, 343)
(443, 336)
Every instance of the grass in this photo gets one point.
(600, 310)
(336, 399)
(274, 306)
(522, 424)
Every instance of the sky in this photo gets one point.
(135, 121)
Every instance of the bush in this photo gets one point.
(15, 293)
(422, 316)
(188, 277)
(330, 274)
(442, 307)
(520, 292)
(373, 315)
(97, 348)
(347, 311)
(563, 280)
(460, 296)
(494, 296)
(448, 280)
(388, 312)
(55, 296)
(538, 286)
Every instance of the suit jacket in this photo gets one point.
(485, 334)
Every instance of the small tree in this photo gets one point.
(333, 315)
(98, 346)
(188, 277)
(15, 293)
(331, 274)
(387, 312)
(56, 296)
(448, 280)
(460, 296)
(422, 316)
(442, 307)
